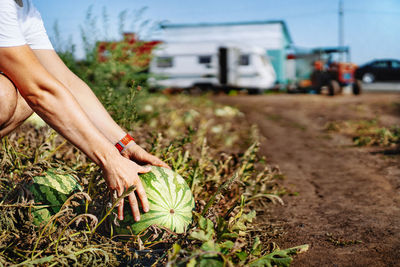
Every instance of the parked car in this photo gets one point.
(379, 70)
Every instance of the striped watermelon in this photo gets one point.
(51, 189)
(170, 199)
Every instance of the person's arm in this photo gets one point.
(57, 106)
(92, 106)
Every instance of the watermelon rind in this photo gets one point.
(170, 200)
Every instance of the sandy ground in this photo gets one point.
(345, 193)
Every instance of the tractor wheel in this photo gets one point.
(333, 87)
(357, 87)
(318, 89)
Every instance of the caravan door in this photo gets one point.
(228, 66)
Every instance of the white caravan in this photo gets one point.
(186, 65)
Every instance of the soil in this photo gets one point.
(345, 200)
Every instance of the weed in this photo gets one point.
(367, 132)
(340, 241)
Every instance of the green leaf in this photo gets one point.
(173, 254)
(205, 224)
(210, 246)
(297, 250)
(207, 230)
(210, 227)
(242, 255)
(226, 246)
(221, 223)
(229, 235)
(249, 216)
(205, 262)
(200, 235)
(277, 258)
(191, 263)
(256, 249)
(240, 224)
(222, 227)
(280, 258)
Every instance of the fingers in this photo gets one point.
(143, 197)
(132, 197)
(121, 210)
(125, 176)
(143, 169)
(145, 157)
(153, 160)
(134, 206)
(120, 207)
(134, 203)
(158, 162)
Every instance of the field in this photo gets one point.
(209, 144)
(272, 175)
(341, 160)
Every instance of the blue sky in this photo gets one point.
(372, 27)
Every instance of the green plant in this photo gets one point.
(367, 132)
(229, 182)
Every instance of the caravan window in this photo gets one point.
(244, 60)
(204, 59)
(164, 62)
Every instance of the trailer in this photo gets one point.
(211, 65)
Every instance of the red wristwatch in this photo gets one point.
(121, 145)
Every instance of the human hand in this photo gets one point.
(138, 154)
(120, 174)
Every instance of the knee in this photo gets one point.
(8, 99)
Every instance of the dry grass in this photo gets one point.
(213, 147)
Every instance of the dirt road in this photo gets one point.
(346, 194)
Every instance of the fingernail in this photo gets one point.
(146, 209)
(137, 218)
(120, 218)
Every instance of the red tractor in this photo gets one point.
(330, 72)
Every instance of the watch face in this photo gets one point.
(19, 2)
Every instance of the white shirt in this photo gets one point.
(20, 25)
